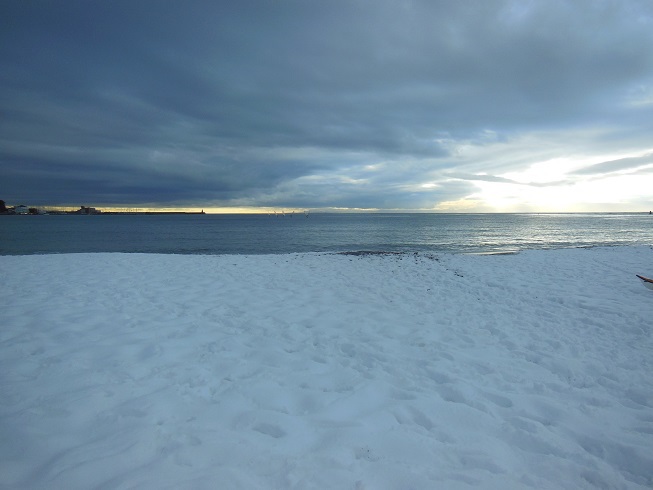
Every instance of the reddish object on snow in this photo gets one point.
(647, 282)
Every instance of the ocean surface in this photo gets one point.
(319, 232)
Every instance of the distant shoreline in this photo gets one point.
(113, 213)
(149, 212)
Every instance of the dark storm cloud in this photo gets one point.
(255, 102)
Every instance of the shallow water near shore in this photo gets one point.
(319, 232)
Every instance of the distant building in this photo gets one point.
(21, 209)
(86, 210)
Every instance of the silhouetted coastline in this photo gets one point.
(21, 209)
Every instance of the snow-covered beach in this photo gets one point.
(532, 370)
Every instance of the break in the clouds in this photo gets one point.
(433, 105)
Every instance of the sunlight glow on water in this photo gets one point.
(262, 234)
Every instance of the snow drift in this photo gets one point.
(531, 370)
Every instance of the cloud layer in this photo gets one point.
(356, 104)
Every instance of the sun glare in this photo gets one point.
(585, 195)
(547, 171)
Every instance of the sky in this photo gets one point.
(461, 106)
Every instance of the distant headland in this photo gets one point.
(21, 209)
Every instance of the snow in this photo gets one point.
(531, 370)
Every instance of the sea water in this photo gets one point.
(319, 232)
